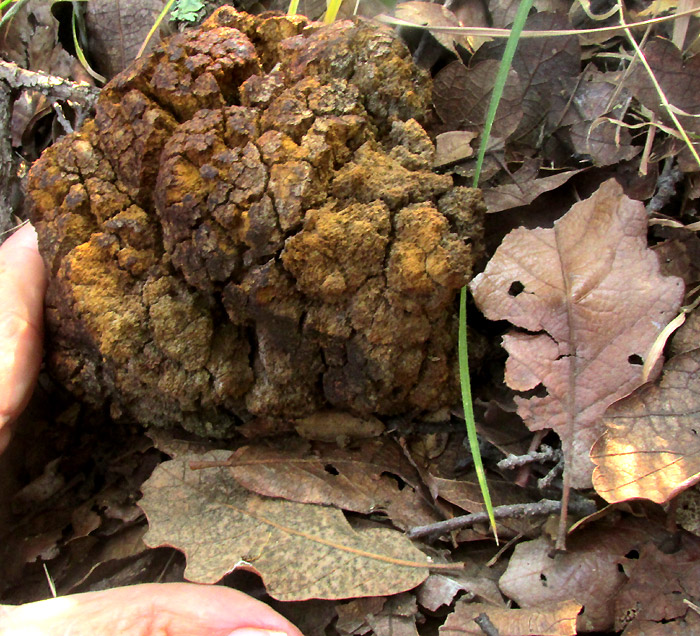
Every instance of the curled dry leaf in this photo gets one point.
(441, 589)
(433, 15)
(374, 477)
(592, 294)
(301, 551)
(651, 444)
(554, 619)
(525, 188)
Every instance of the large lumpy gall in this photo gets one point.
(251, 226)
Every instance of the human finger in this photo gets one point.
(162, 609)
(22, 289)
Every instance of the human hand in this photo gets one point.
(163, 609)
(22, 289)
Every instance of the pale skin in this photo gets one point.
(156, 609)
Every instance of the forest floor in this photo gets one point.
(581, 392)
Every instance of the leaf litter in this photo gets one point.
(300, 550)
(584, 299)
(591, 299)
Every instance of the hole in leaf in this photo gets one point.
(400, 483)
(635, 359)
(543, 578)
(329, 468)
(516, 288)
(632, 554)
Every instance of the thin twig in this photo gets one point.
(512, 511)
(485, 624)
(665, 186)
(7, 164)
(50, 85)
(515, 461)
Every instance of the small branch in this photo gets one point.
(7, 164)
(515, 461)
(50, 85)
(513, 511)
(666, 186)
(485, 624)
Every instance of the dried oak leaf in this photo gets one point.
(374, 477)
(546, 69)
(651, 444)
(590, 572)
(591, 293)
(553, 619)
(117, 29)
(301, 551)
(658, 585)
(679, 80)
(461, 97)
(526, 187)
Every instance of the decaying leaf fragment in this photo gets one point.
(651, 444)
(556, 619)
(300, 550)
(592, 297)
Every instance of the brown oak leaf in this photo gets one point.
(301, 551)
(651, 444)
(592, 298)
(374, 477)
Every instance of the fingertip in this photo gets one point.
(25, 236)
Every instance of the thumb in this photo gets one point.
(162, 609)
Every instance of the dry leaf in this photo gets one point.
(589, 572)
(658, 584)
(526, 187)
(554, 619)
(453, 146)
(432, 15)
(651, 445)
(461, 97)
(117, 29)
(396, 618)
(591, 293)
(359, 479)
(546, 68)
(440, 589)
(352, 616)
(679, 80)
(301, 551)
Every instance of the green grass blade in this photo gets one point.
(293, 7)
(154, 28)
(12, 11)
(501, 77)
(465, 385)
(333, 6)
(80, 53)
(506, 61)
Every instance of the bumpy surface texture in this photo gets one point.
(251, 226)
